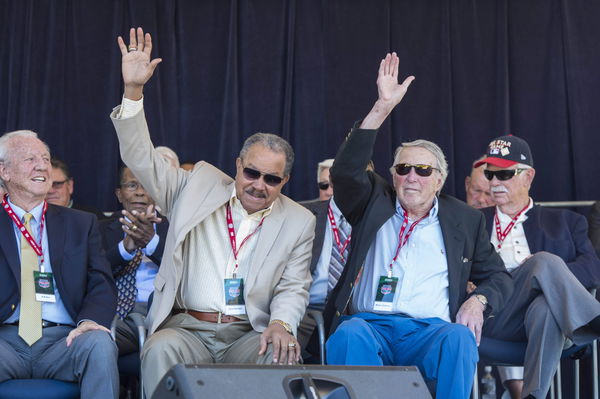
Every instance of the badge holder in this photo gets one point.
(234, 296)
(44, 287)
(384, 297)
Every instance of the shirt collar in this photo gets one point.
(236, 205)
(334, 208)
(522, 217)
(433, 212)
(35, 212)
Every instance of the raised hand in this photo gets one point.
(387, 80)
(136, 65)
(390, 92)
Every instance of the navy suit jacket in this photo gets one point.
(563, 233)
(112, 235)
(81, 271)
(368, 201)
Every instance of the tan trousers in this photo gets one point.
(184, 339)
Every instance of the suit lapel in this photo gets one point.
(9, 245)
(55, 227)
(268, 235)
(454, 244)
(533, 231)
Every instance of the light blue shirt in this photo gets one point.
(421, 269)
(318, 289)
(147, 270)
(54, 312)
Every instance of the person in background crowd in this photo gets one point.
(134, 245)
(477, 188)
(61, 191)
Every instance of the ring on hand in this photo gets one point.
(131, 48)
(134, 228)
(291, 345)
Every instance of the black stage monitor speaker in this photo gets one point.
(211, 381)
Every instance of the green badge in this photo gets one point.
(44, 287)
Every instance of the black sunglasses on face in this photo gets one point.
(253, 174)
(422, 170)
(323, 185)
(504, 174)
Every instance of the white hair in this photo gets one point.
(433, 148)
(5, 140)
(326, 164)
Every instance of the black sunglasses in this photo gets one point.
(422, 170)
(504, 174)
(323, 185)
(253, 174)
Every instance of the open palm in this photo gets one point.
(387, 80)
(136, 65)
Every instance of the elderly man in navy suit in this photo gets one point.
(548, 252)
(57, 293)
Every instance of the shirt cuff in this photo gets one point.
(151, 247)
(130, 108)
(124, 254)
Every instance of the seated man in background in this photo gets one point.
(323, 181)
(57, 293)
(233, 282)
(413, 250)
(525, 235)
(134, 245)
(61, 191)
(477, 188)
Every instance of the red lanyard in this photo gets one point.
(336, 234)
(37, 248)
(501, 235)
(232, 240)
(403, 239)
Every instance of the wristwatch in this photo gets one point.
(482, 299)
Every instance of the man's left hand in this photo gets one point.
(84, 327)
(285, 347)
(470, 314)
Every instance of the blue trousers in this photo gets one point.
(442, 351)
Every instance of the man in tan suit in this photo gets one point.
(233, 282)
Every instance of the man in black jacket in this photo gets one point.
(412, 253)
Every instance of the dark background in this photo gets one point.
(306, 70)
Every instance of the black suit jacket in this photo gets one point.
(563, 233)
(319, 209)
(368, 201)
(81, 271)
(112, 234)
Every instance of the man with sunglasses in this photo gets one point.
(552, 261)
(403, 289)
(233, 282)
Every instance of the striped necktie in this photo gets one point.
(30, 317)
(338, 260)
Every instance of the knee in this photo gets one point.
(159, 344)
(545, 263)
(351, 330)
(459, 336)
(99, 346)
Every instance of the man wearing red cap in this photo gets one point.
(552, 262)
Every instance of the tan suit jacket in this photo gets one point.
(279, 277)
